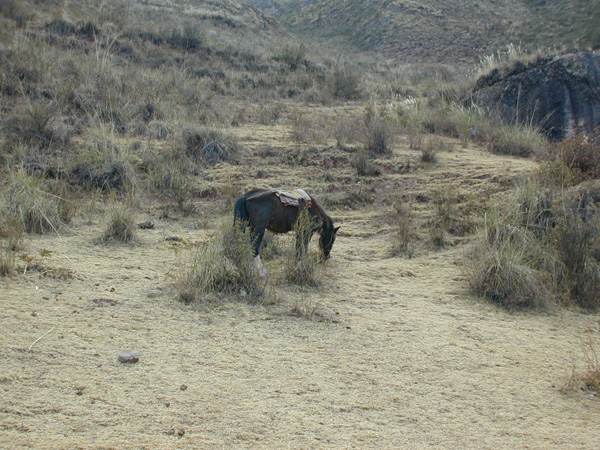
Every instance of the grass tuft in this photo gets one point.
(120, 226)
(300, 263)
(221, 268)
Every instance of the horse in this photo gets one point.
(262, 210)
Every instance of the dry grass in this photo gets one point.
(586, 378)
(221, 269)
(402, 219)
(30, 203)
(301, 266)
(120, 224)
(545, 241)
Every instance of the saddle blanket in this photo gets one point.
(292, 198)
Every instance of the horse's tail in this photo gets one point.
(240, 214)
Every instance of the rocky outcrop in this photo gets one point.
(559, 95)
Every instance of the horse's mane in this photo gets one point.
(328, 220)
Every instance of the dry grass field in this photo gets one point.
(388, 352)
(458, 309)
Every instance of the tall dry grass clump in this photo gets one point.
(33, 204)
(209, 146)
(102, 164)
(401, 218)
(120, 224)
(221, 268)
(586, 379)
(543, 244)
(301, 266)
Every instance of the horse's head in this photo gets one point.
(328, 233)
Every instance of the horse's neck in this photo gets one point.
(328, 222)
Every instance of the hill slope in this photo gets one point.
(432, 31)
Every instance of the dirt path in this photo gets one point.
(399, 356)
(409, 360)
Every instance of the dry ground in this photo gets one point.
(398, 355)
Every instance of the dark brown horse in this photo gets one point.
(263, 210)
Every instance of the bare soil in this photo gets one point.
(398, 353)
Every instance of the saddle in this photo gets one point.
(292, 198)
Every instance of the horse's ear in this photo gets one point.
(335, 230)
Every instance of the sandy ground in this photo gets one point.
(399, 354)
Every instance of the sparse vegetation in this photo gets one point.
(120, 225)
(222, 268)
(403, 233)
(166, 112)
(300, 265)
(28, 204)
(548, 238)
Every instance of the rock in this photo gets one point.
(560, 95)
(101, 302)
(173, 238)
(129, 357)
(147, 225)
(155, 294)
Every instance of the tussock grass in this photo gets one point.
(586, 378)
(209, 146)
(401, 218)
(301, 266)
(220, 269)
(345, 83)
(29, 203)
(120, 225)
(544, 243)
(102, 164)
(364, 166)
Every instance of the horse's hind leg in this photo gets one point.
(257, 237)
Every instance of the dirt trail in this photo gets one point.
(404, 357)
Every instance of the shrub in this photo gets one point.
(209, 146)
(292, 54)
(515, 140)
(120, 226)
(363, 165)
(580, 154)
(28, 203)
(31, 124)
(102, 164)
(171, 180)
(430, 149)
(542, 236)
(379, 137)
(505, 276)
(301, 265)
(222, 266)
(402, 220)
(589, 378)
(345, 83)
(578, 244)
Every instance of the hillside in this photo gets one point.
(459, 307)
(451, 31)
